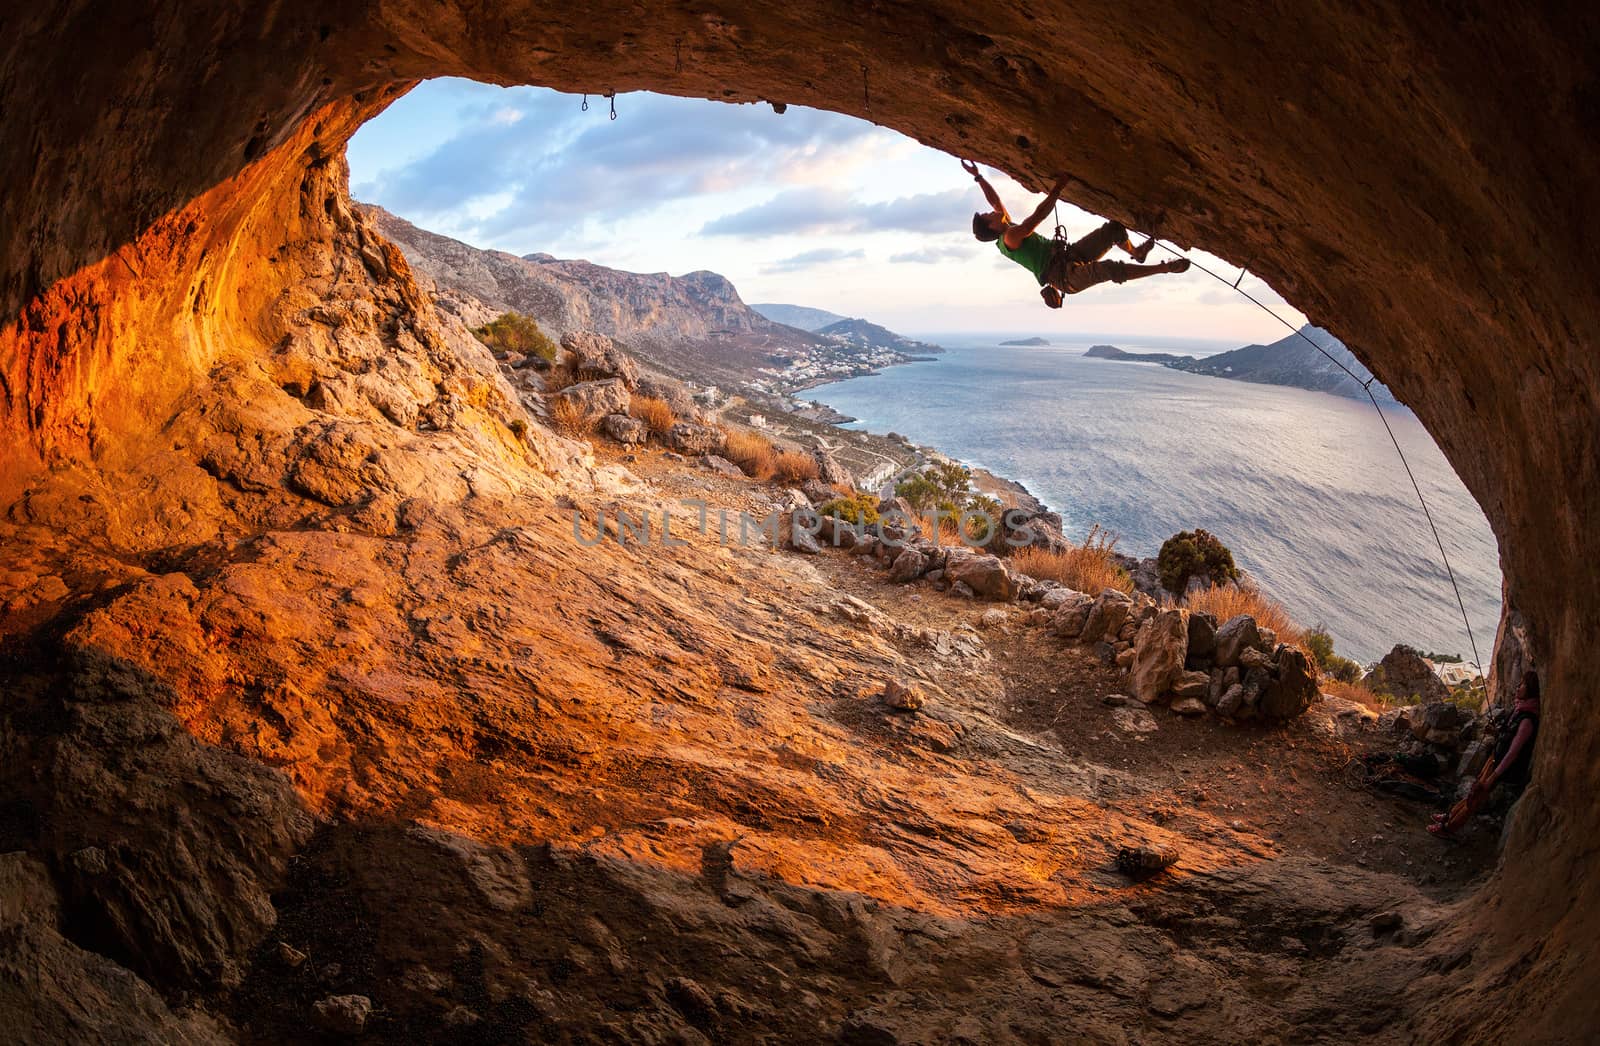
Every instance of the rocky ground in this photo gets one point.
(320, 720)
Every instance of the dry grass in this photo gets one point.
(559, 377)
(1224, 602)
(569, 419)
(1089, 567)
(791, 467)
(1357, 692)
(655, 413)
(753, 454)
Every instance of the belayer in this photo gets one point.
(1511, 764)
(1059, 266)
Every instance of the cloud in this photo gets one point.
(932, 256)
(812, 259)
(523, 167)
(798, 211)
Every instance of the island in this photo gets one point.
(1111, 352)
(1026, 341)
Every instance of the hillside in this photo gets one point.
(693, 324)
(862, 335)
(801, 316)
(1291, 361)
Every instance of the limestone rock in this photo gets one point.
(908, 566)
(1106, 616)
(1189, 706)
(343, 1014)
(1293, 687)
(1158, 654)
(594, 356)
(595, 399)
(1202, 635)
(1232, 701)
(986, 576)
(829, 470)
(692, 438)
(1234, 637)
(1192, 684)
(721, 466)
(1404, 674)
(901, 696)
(625, 430)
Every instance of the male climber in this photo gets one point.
(1065, 269)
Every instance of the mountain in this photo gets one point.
(859, 334)
(1111, 352)
(1026, 341)
(1292, 361)
(802, 316)
(694, 325)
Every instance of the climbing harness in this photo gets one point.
(1366, 386)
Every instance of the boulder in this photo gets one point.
(797, 535)
(1106, 616)
(994, 617)
(1438, 723)
(1060, 596)
(1293, 687)
(1158, 654)
(1125, 658)
(1232, 701)
(721, 466)
(1236, 635)
(1202, 635)
(1192, 684)
(1251, 657)
(986, 576)
(1405, 674)
(593, 355)
(693, 438)
(596, 399)
(818, 491)
(1068, 621)
(902, 697)
(343, 1014)
(625, 430)
(1189, 706)
(830, 471)
(908, 566)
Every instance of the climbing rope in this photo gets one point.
(1366, 386)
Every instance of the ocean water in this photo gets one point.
(1304, 487)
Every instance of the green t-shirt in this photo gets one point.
(1033, 255)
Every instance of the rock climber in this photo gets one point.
(1510, 764)
(1061, 268)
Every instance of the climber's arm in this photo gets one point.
(1017, 233)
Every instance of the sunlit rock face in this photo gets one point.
(1412, 181)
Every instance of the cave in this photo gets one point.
(1414, 179)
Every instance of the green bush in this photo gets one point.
(514, 332)
(859, 508)
(943, 484)
(1320, 645)
(1190, 554)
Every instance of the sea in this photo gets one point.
(1304, 487)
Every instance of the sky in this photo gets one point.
(806, 207)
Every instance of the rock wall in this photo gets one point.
(1408, 177)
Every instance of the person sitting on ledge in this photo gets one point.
(1510, 764)
(1061, 268)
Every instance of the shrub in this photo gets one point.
(1089, 567)
(753, 454)
(514, 332)
(569, 419)
(1319, 644)
(1190, 554)
(1225, 601)
(792, 467)
(519, 428)
(859, 508)
(655, 413)
(939, 485)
